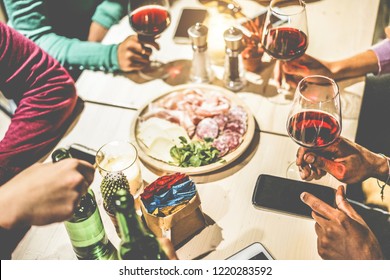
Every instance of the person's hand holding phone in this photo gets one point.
(342, 233)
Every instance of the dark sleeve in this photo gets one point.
(46, 98)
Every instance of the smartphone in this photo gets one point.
(188, 18)
(283, 195)
(255, 251)
(82, 152)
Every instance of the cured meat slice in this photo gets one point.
(229, 139)
(221, 121)
(236, 126)
(207, 127)
(237, 113)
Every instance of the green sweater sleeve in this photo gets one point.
(30, 18)
(109, 12)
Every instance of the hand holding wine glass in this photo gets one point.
(149, 18)
(285, 35)
(314, 120)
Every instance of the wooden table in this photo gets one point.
(335, 31)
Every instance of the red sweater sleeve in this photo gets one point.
(45, 95)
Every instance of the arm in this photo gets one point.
(46, 98)
(355, 66)
(31, 18)
(107, 14)
(53, 192)
(37, 196)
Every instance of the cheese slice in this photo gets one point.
(159, 136)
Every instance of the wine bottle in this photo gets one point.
(137, 243)
(85, 227)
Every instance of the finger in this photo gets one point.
(318, 229)
(343, 204)
(304, 172)
(318, 206)
(87, 170)
(135, 58)
(325, 164)
(300, 154)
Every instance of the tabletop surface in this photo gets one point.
(233, 223)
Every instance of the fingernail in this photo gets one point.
(310, 158)
(303, 195)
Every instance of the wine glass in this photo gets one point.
(118, 161)
(285, 37)
(314, 120)
(149, 18)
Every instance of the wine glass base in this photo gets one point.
(155, 70)
(292, 172)
(281, 98)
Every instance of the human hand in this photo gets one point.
(307, 65)
(45, 193)
(280, 74)
(346, 161)
(341, 232)
(132, 55)
(168, 248)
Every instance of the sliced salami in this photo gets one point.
(237, 113)
(236, 126)
(227, 142)
(221, 121)
(222, 146)
(207, 127)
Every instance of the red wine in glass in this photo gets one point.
(149, 21)
(313, 129)
(285, 43)
(285, 37)
(314, 120)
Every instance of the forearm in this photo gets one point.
(109, 12)
(355, 66)
(96, 32)
(76, 53)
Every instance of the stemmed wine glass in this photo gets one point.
(314, 120)
(149, 18)
(285, 36)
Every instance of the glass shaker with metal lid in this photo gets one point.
(201, 68)
(234, 70)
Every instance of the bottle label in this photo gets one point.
(87, 232)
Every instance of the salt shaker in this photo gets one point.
(234, 70)
(201, 67)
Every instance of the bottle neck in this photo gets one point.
(131, 228)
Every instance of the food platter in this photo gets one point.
(157, 164)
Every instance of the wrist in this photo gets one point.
(381, 167)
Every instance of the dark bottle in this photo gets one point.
(138, 243)
(85, 228)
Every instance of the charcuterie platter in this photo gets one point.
(193, 129)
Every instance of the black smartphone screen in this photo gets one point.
(188, 18)
(283, 194)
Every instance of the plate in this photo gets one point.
(228, 158)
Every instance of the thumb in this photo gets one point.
(343, 205)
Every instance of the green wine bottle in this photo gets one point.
(85, 227)
(137, 243)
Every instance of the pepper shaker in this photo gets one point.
(234, 70)
(201, 67)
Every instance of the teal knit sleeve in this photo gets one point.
(29, 18)
(109, 12)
